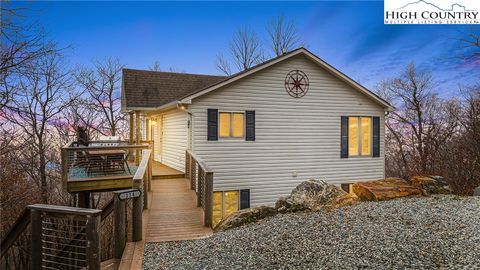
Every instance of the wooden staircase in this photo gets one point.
(173, 213)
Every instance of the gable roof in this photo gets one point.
(355, 85)
(147, 90)
(144, 89)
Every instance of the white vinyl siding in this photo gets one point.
(174, 131)
(294, 136)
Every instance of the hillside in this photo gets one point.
(410, 233)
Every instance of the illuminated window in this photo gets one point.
(353, 136)
(366, 135)
(232, 125)
(224, 204)
(359, 136)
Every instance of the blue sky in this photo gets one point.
(187, 36)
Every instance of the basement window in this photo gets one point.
(224, 204)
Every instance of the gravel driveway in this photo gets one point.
(440, 232)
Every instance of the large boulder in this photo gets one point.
(431, 184)
(384, 189)
(245, 216)
(312, 194)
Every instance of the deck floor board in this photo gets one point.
(173, 213)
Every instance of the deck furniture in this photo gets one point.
(107, 161)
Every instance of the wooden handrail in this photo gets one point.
(142, 167)
(200, 162)
(67, 210)
(15, 231)
(90, 148)
(201, 181)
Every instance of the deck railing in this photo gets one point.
(70, 238)
(101, 165)
(201, 181)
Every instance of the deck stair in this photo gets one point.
(173, 213)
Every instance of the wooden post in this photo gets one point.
(119, 226)
(64, 168)
(93, 241)
(208, 199)
(36, 240)
(144, 192)
(150, 167)
(137, 222)
(131, 131)
(201, 186)
(137, 136)
(187, 165)
(192, 173)
(84, 199)
(148, 130)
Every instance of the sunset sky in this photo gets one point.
(187, 36)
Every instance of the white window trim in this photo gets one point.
(230, 138)
(359, 117)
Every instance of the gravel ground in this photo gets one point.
(440, 232)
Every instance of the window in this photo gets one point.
(359, 136)
(224, 204)
(232, 125)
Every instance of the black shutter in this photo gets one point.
(212, 119)
(244, 198)
(376, 136)
(344, 137)
(250, 126)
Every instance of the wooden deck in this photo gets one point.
(161, 171)
(173, 213)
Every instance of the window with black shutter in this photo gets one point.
(250, 126)
(244, 198)
(360, 136)
(212, 119)
(376, 137)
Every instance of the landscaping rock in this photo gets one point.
(285, 205)
(431, 184)
(312, 194)
(345, 200)
(385, 189)
(476, 192)
(245, 216)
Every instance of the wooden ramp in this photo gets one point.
(173, 213)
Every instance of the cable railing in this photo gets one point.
(201, 181)
(61, 237)
(100, 165)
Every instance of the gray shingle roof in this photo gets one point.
(151, 89)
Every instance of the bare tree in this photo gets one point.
(155, 67)
(461, 156)
(42, 92)
(20, 44)
(420, 126)
(102, 85)
(283, 35)
(223, 65)
(246, 49)
(470, 43)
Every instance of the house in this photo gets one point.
(264, 130)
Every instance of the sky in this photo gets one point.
(187, 36)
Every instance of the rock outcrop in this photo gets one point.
(312, 194)
(245, 216)
(385, 189)
(431, 184)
